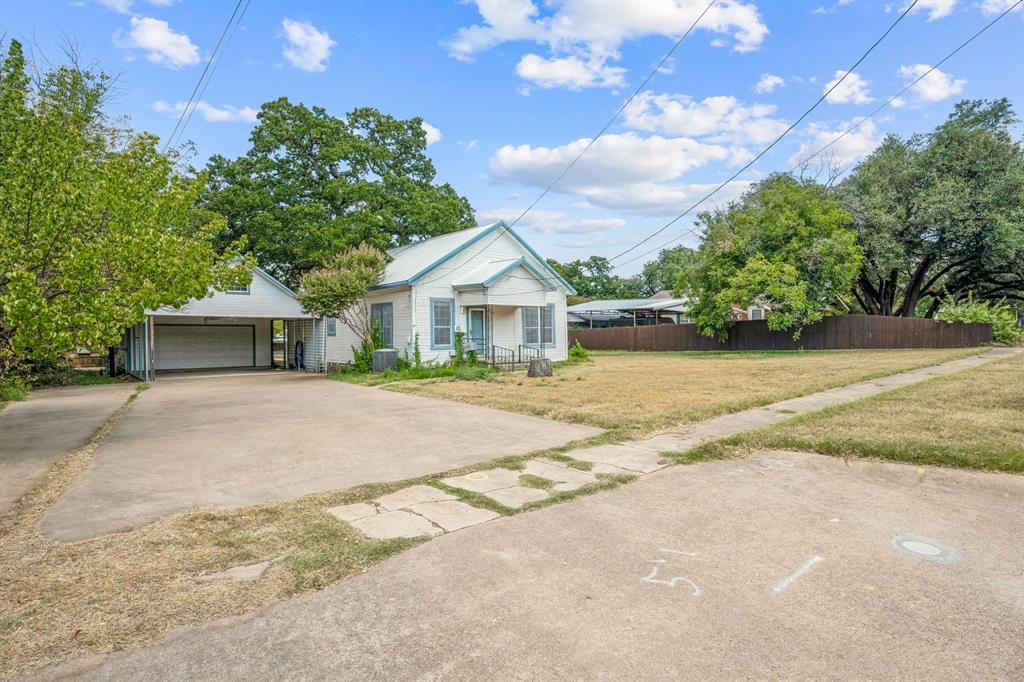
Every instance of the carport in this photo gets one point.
(232, 329)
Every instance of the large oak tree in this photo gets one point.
(941, 215)
(313, 185)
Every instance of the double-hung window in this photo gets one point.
(332, 326)
(383, 314)
(442, 322)
(539, 325)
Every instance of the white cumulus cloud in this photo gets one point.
(625, 172)
(936, 9)
(550, 222)
(768, 82)
(721, 119)
(210, 113)
(584, 36)
(854, 146)
(854, 89)
(934, 87)
(307, 48)
(433, 133)
(569, 72)
(161, 45)
(999, 6)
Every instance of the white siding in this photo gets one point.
(265, 299)
(339, 348)
(311, 333)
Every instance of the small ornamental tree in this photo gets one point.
(339, 288)
(96, 224)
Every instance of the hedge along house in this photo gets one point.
(230, 329)
(486, 282)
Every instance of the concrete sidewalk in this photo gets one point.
(49, 424)
(790, 565)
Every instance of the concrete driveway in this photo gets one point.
(50, 423)
(237, 440)
(786, 566)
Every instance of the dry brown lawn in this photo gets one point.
(649, 391)
(971, 419)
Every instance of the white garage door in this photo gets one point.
(201, 347)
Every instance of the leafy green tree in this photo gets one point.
(941, 214)
(96, 225)
(312, 185)
(339, 288)
(785, 245)
(663, 272)
(1002, 317)
(592, 278)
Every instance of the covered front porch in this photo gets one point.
(508, 335)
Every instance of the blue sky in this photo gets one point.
(512, 89)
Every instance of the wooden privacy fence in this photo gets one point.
(832, 333)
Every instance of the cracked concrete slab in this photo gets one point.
(352, 512)
(244, 573)
(454, 515)
(395, 524)
(666, 442)
(484, 481)
(516, 496)
(623, 457)
(566, 478)
(413, 495)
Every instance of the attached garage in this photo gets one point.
(231, 329)
(184, 346)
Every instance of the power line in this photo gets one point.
(206, 69)
(607, 125)
(775, 142)
(908, 87)
(856, 125)
(202, 90)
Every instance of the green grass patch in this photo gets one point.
(531, 481)
(444, 372)
(971, 419)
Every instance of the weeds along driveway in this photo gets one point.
(232, 441)
(50, 423)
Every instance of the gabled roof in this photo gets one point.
(412, 262)
(488, 273)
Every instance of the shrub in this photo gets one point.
(362, 357)
(1001, 316)
(577, 353)
(13, 388)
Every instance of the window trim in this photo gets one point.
(391, 327)
(246, 292)
(550, 307)
(451, 325)
(331, 326)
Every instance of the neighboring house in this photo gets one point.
(227, 329)
(486, 282)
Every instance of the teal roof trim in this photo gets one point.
(462, 247)
(504, 271)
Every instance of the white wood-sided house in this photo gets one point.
(485, 281)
